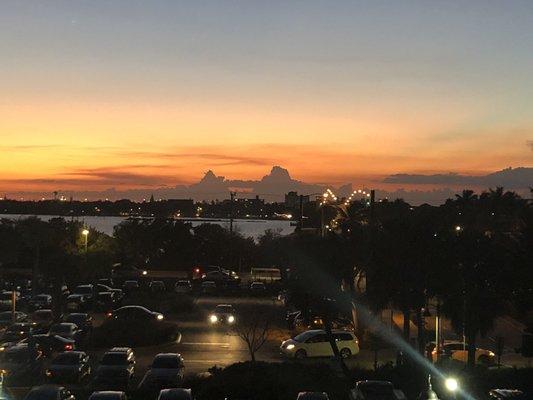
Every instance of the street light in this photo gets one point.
(85, 233)
(451, 384)
(458, 228)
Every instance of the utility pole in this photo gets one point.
(301, 211)
(232, 198)
(372, 204)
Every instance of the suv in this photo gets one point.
(314, 343)
(183, 286)
(20, 362)
(116, 369)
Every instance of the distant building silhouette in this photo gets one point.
(292, 200)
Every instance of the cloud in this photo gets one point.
(509, 178)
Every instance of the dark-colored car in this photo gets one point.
(43, 320)
(82, 320)
(40, 301)
(67, 330)
(106, 281)
(52, 344)
(108, 395)
(17, 332)
(71, 366)
(6, 318)
(175, 394)
(21, 363)
(376, 390)
(105, 301)
(116, 369)
(165, 372)
(78, 303)
(85, 290)
(157, 286)
(49, 392)
(131, 286)
(135, 313)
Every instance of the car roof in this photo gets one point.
(176, 393)
(48, 389)
(168, 355)
(120, 350)
(108, 394)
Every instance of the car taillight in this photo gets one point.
(109, 314)
(68, 347)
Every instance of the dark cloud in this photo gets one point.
(510, 178)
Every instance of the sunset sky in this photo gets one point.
(98, 94)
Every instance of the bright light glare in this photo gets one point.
(231, 319)
(145, 272)
(213, 318)
(160, 317)
(290, 346)
(85, 232)
(451, 384)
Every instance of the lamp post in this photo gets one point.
(85, 233)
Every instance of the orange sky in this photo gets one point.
(104, 95)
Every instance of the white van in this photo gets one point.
(314, 343)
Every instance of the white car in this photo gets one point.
(223, 314)
(314, 343)
(457, 350)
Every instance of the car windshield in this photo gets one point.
(166, 362)
(224, 309)
(83, 290)
(302, 337)
(114, 359)
(67, 358)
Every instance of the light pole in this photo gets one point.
(85, 233)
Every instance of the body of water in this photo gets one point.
(246, 227)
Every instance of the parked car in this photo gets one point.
(314, 343)
(258, 288)
(6, 299)
(183, 287)
(72, 366)
(220, 277)
(508, 394)
(17, 332)
(458, 351)
(312, 396)
(223, 314)
(135, 313)
(209, 287)
(67, 330)
(165, 372)
(376, 390)
(82, 320)
(52, 344)
(84, 290)
(106, 281)
(157, 286)
(100, 287)
(6, 318)
(108, 395)
(40, 301)
(131, 286)
(77, 303)
(20, 363)
(43, 320)
(105, 301)
(49, 392)
(175, 394)
(116, 369)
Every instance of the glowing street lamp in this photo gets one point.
(451, 384)
(85, 233)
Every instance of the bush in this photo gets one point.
(120, 333)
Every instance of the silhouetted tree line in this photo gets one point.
(472, 254)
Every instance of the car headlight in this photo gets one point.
(48, 373)
(160, 317)
(290, 346)
(2, 348)
(213, 318)
(231, 319)
(491, 354)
